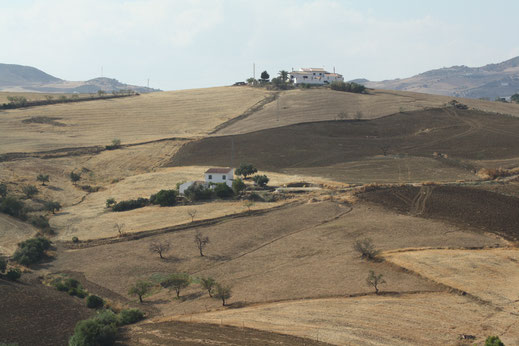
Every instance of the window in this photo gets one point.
(305, 77)
(210, 177)
(223, 177)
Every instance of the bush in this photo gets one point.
(366, 248)
(3, 190)
(52, 206)
(74, 177)
(110, 202)
(493, 341)
(164, 198)
(40, 222)
(261, 180)
(130, 204)
(31, 251)
(71, 286)
(3, 264)
(348, 87)
(94, 302)
(29, 190)
(94, 332)
(130, 316)
(238, 186)
(197, 192)
(14, 207)
(75, 239)
(116, 144)
(13, 274)
(223, 191)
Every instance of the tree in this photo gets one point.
(94, 302)
(375, 280)
(493, 341)
(283, 75)
(192, 214)
(221, 190)
(31, 251)
(101, 93)
(140, 289)
(52, 206)
(238, 186)
(116, 143)
(75, 177)
(261, 180)
(208, 284)
(252, 82)
(160, 247)
(201, 242)
(43, 178)
(29, 190)
(248, 204)
(3, 190)
(3, 264)
(515, 98)
(366, 248)
(223, 292)
(246, 169)
(12, 206)
(176, 282)
(119, 227)
(17, 100)
(110, 202)
(164, 198)
(264, 77)
(13, 274)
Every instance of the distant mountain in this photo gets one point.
(490, 81)
(27, 78)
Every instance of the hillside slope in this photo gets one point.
(489, 81)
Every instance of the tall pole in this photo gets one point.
(254, 70)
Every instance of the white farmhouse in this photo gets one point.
(212, 176)
(314, 76)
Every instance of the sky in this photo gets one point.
(184, 44)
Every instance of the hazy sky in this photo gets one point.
(201, 43)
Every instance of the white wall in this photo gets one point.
(217, 178)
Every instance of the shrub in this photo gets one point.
(366, 248)
(130, 316)
(43, 178)
(3, 264)
(515, 98)
(375, 280)
(261, 180)
(75, 239)
(31, 251)
(94, 332)
(40, 222)
(13, 274)
(29, 190)
(17, 100)
(197, 192)
(223, 191)
(130, 204)
(14, 207)
(3, 190)
(94, 302)
(348, 87)
(164, 198)
(74, 177)
(116, 144)
(238, 186)
(208, 284)
(71, 286)
(493, 341)
(246, 169)
(223, 293)
(110, 202)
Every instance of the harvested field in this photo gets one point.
(33, 314)
(13, 231)
(147, 117)
(489, 274)
(300, 106)
(469, 208)
(408, 319)
(191, 334)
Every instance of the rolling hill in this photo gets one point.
(26, 78)
(489, 81)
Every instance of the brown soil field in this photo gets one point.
(191, 334)
(297, 252)
(468, 207)
(300, 106)
(147, 117)
(34, 314)
(408, 319)
(489, 274)
(455, 133)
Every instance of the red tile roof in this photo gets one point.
(218, 170)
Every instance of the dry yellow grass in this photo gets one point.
(409, 319)
(33, 96)
(491, 275)
(13, 231)
(296, 106)
(185, 113)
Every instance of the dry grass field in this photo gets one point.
(33, 96)
(300, 106)
(13, 231)
(147, 117)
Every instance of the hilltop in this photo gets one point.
(489, 81)
(27, 78)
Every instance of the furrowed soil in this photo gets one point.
(469, 208)
(191, 334)
(456, 134)
(34, 314)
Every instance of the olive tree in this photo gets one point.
(375, 280)
(208, 284)
(176, 282)
(140, 288)
(159, 247)
(44, 178)
(201, 242)
(223, 292)
(366, 248)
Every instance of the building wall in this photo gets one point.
(217, 178)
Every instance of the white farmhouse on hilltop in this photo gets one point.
(314, 76)
(212, 176)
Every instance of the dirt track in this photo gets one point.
(467, 207)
